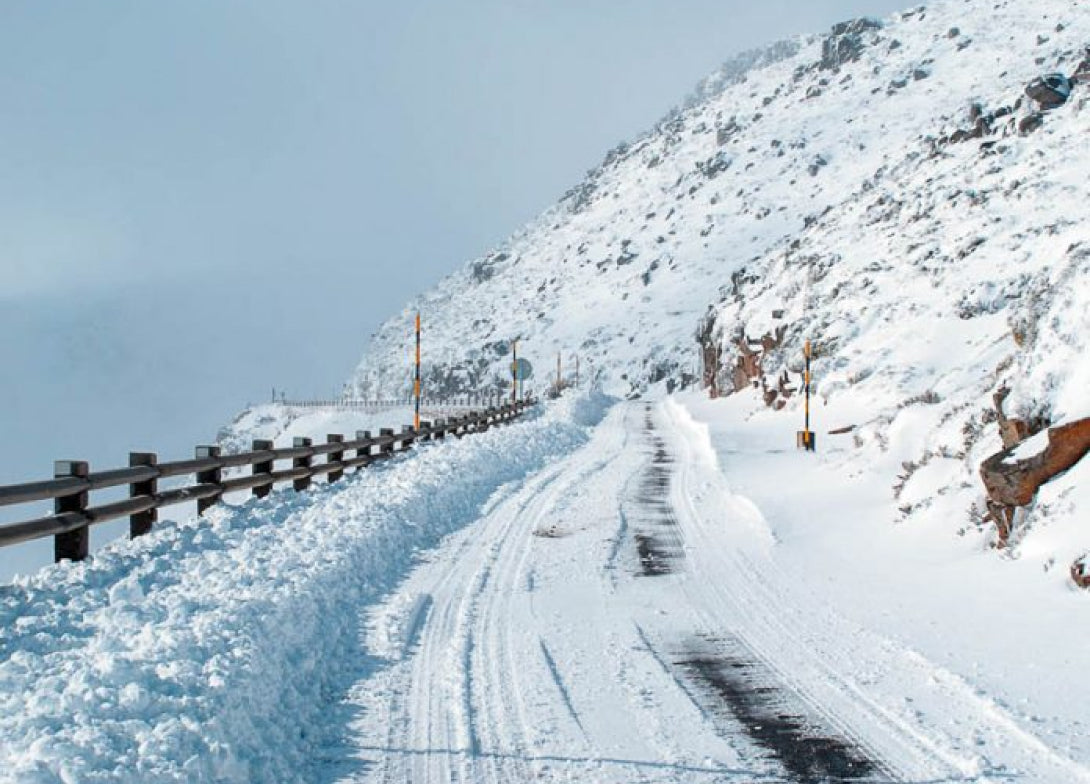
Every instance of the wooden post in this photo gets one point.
(301, 462)
(211, 476)
(409, 431)
(335, 457)
(363, 451)
(142, 522)
(71, 545)
(386, 449)
(264, 467)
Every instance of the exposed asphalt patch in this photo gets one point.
(774, 717)
(655, 528)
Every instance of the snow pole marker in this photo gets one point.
(514, 370)
(805, 437)
(416, 380)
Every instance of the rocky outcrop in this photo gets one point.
(1080, 571)
(1082, 73)
(710, 354)
(1050, 91)
(846, 43)
(1014, 431)
(1013, 482)
(746, 370)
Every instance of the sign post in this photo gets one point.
(416, 379)
(805, 437)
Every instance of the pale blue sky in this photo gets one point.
(200, 199)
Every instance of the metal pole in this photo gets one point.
(416, 383)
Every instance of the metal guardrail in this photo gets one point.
(73, 481)
(440, 404)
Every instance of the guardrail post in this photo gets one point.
(71, 545)
(335, 457)
(363, 451)
(263, 467)
(141, 522)
(408, 436)
(301, 462)
(441, 429)
(386, 449)
(212, 476)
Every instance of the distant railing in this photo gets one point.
(73, 482)
(426, 403)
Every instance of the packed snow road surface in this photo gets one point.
(620, 616)
(588, 595)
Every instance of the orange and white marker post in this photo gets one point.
(416, 379)
(805, 438)
(515, 371)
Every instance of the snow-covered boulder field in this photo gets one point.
(910, 194)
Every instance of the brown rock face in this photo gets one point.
(1080, 572)
(1012, 483)
(1014, 431)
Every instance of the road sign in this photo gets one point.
(522, 369)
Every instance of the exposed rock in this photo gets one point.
(710, 353)
(715, 165)
(1030, 123)
(818, 164)
(1012, 482)
(846, 43)
(1082, 73)
(746, 369)
(1080, 571)
(1014, 431)
(1050, 91)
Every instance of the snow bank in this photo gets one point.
(208, 650)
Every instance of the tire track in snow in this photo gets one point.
(728, 682)
(815, 653)
(467, 718)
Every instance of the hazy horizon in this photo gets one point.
(204, 200)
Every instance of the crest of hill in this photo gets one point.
(622, 271)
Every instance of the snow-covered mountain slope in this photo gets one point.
(799, 153)
(888, 191)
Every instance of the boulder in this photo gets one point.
(1050, 91)
(1030, 123)
(1080, 571)
(845, 44)
(1013, 482)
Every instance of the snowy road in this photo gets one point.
(569, 598)
(620, 616)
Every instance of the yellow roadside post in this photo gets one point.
(416, 380)
(805, 438)
(515, 370)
